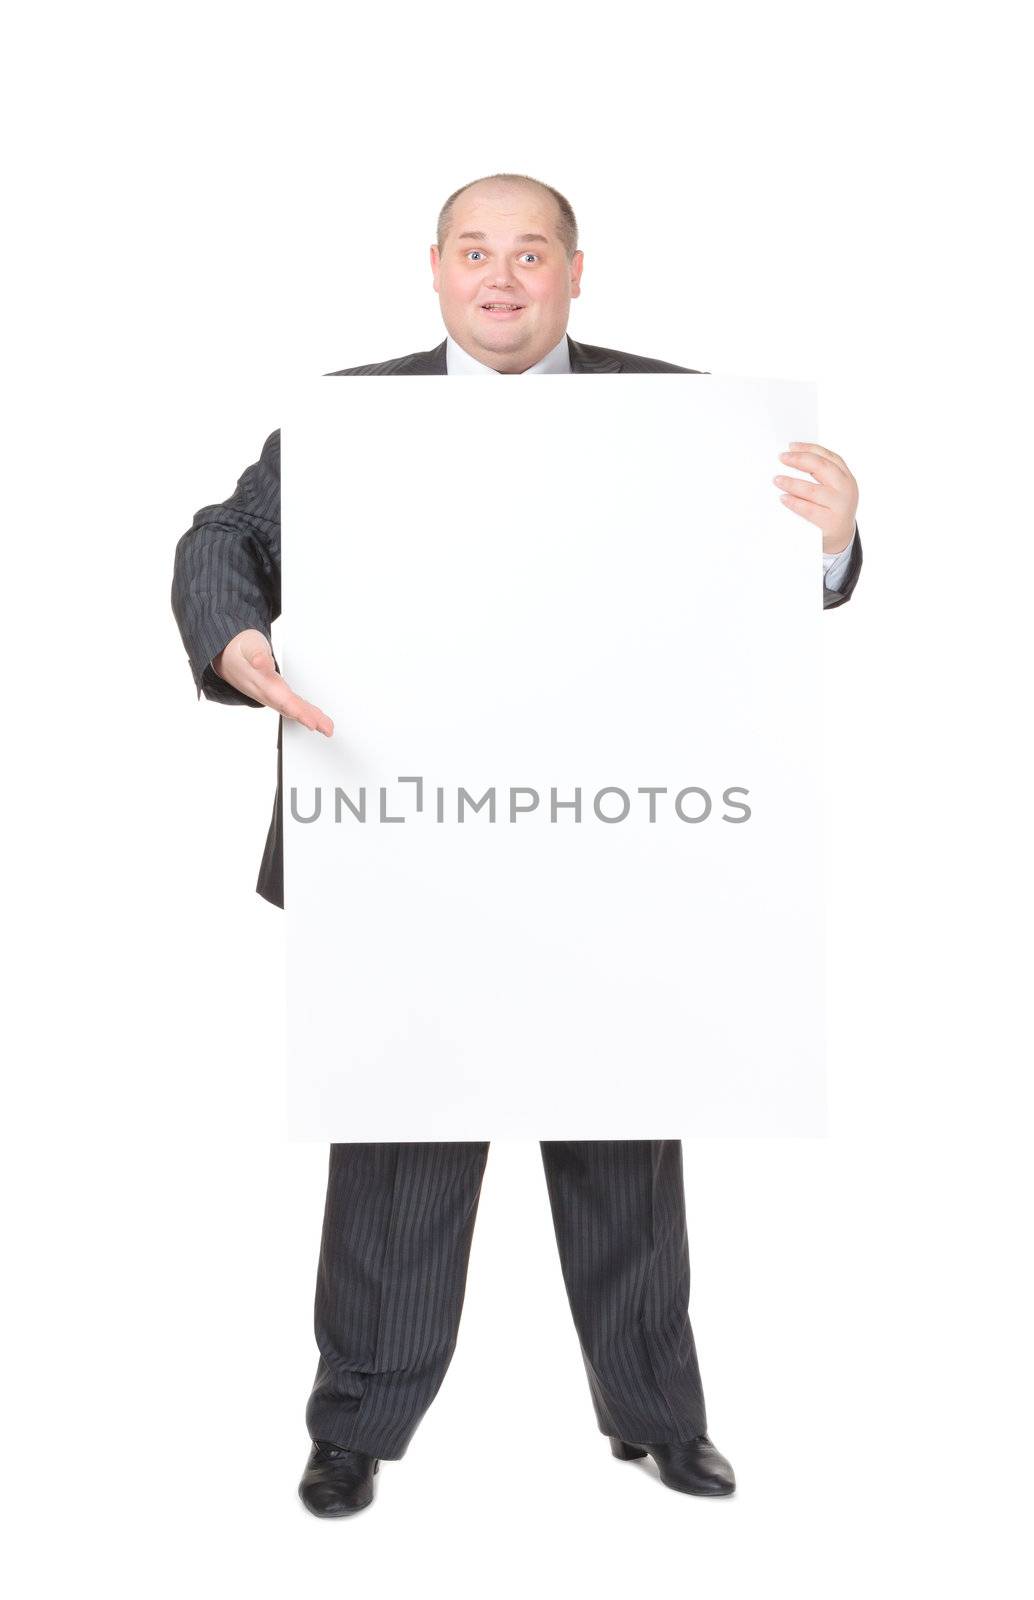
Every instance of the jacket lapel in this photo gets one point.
(584, 358)
(582, 361)
(427, 362)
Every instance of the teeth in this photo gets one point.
(498, 305)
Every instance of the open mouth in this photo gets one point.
(501, 308)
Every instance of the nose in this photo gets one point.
(499, 280)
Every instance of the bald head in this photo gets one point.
(564, 223)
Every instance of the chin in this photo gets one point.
(501, 336)
(501, 346)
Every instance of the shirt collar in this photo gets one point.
(459, 363)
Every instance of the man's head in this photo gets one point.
(506, 241)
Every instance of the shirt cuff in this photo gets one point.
(834, 567)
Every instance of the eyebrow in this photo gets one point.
(522, 238)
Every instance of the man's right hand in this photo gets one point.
(247, 662)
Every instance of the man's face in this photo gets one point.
(503, 250)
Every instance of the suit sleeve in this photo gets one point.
(845, 581)
(226, 573)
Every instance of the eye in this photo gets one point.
(473, 253)
(527, 253)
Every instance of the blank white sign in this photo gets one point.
(557, 873)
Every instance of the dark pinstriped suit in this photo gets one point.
(400, 1217)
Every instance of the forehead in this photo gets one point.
(495, 209)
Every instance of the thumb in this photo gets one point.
(261, 658)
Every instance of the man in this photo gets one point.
(399, 1218)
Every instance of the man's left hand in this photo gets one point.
(831, 502)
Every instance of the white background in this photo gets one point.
(210, 201)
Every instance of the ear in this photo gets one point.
(436, 264)
(577, 262)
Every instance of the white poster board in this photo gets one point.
(511, 598)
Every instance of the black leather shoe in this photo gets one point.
(337, 1482)
(694, 1467)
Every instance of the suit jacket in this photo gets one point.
(227, 566)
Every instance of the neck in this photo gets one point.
(504, 361)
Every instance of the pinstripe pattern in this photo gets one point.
(227, 566)
(619, 1213)
(399, 1218)
(397, 1231)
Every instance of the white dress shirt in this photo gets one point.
(458, 363)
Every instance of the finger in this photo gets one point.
(804, 508)
(821, 450)
(804, 490)
(820, 466)
(312, 717)
(283, 699)
(266, 685)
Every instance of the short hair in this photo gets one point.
(567, 226)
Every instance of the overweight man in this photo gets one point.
(399, 1217)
